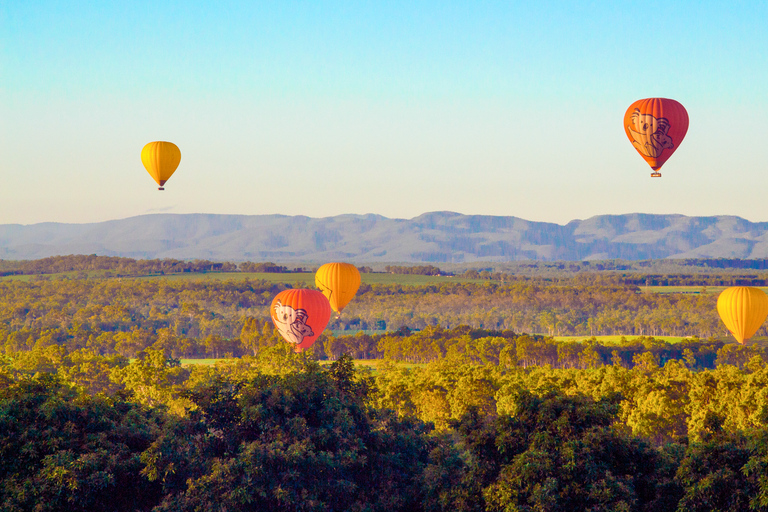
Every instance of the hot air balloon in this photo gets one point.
(656, 127)
(743, 310)
(338, 282)
(301, 316)
(161, 160)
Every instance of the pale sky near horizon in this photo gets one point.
(394, 108)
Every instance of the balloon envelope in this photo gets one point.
(161, 160)
(338, 282)
(656, 127)
(743, 310)
(300, 315)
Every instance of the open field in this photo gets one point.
(371, 363)
(689, 289)
(16, 278)
(303, 278)
(353, 332)
(618, 338)
(308, 278)
(683, 289)
(377, 363)
(74, 274)
(607, 340)
(293, 278)
(97, 274)
(201, 362)
(600, 339)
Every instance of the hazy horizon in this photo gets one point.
(376, 214)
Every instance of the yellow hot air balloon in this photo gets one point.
(338, 282)
(161, 160)
(743, 310)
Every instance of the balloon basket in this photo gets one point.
(160, 188)
(655, 174)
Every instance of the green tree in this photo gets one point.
(61, 450)
(713, 474)
(292, 442)
(558, 453)
(155, 380)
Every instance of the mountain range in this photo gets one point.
(436, 237)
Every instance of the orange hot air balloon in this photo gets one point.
(301, 316)
(743, 310)
(161, 160)
(338, 282)
(656, 127)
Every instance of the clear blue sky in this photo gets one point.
(326, 108)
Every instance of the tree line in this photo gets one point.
(420, 270)
(706, 272)
(583, 305)
(120, 267)
(211, 318)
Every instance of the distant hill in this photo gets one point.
(437, 237)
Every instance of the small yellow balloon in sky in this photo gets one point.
(161, 160)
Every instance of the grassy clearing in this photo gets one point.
(608, 340)
(308, 278)
(74, 274)
(299, 279)
(415, 280)
(683, 289)
(377, 363)
(372, 363)
(25, 279)
(200, 362)
(617, 338)
(97, 274)
(302, 278)
(351, 332)
(689, 289)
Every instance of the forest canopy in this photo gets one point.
(474, 404)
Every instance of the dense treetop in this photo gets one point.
(278, 431)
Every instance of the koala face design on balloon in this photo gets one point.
(292, 323)
(649, 134)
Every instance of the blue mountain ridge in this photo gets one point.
(436, 237)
